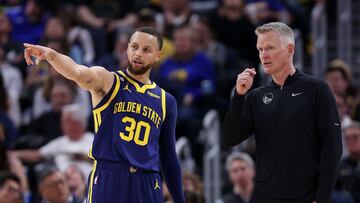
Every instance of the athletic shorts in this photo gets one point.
(116, 183)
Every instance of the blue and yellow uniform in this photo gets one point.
(134, 134)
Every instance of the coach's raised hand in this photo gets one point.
(245, 80)
(40, 52)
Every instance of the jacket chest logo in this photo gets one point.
(267, 98)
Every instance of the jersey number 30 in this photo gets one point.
(134, 129)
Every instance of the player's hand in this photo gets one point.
(245, 81)
(38, 51)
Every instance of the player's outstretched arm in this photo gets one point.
(91, 79)
(169, 162)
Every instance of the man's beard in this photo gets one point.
(140, 71)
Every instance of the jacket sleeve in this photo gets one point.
(329, 131)
(238, 124)
(168, 158)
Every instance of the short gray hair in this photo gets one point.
(76, 112)
(241, 157)
(280, 28)
(353, 124)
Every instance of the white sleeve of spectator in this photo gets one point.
(50, 149)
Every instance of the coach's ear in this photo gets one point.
(291, 49)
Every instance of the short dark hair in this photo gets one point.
(46, 171)
(153, 32)
(5, 176)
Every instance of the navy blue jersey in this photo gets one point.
(128, 122)
(131, 133)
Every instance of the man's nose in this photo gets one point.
(138, 52)
(265, 55)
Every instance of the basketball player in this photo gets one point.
(134, 123)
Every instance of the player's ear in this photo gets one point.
(158, 55)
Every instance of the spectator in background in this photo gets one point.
(62, 92)
(13, 49)
(77, 39)
(53, 187)
(175, 13)
(76, 181)
(81, 45)
(8, 131)
(104, 18)
(71, 148)
(55, 29)
(10, 189)
(241, 172)
(13, 83)
(118, 58)
(10, 163)
(28, 21)
(42, 98)
(46, 77)
(225, 60)
(265, 11)
(349, 173)
(47, 127)
(193, 188)
(339, 78)
(189, 76)
(235, 30)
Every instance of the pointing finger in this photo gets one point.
(27, 56)
(27, 45)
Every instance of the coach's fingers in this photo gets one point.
(251, 71)
(243, 85)
(245, 76)
(248, 83)
(245, 79)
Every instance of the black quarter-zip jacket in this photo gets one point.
(297, 133)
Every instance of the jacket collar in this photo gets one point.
(288, 80)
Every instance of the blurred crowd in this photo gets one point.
(46, 123)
